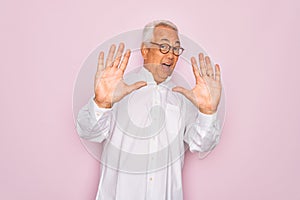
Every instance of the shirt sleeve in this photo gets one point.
(93, 123)
(202, 133)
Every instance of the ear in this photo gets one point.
(144, 51)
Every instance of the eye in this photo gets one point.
(164, 46)
(176, 48)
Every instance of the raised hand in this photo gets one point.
(109, 86)
(207, 92)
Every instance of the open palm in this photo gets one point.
(109, 86)
(207, 92)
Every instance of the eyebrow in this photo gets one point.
(164, 39)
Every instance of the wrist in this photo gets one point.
(207, 111)
(103, 104)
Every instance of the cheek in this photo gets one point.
(155, 57)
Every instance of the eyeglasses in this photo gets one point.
(165, 48)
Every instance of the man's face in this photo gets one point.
(161, 65)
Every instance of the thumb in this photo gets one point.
(136, 86)
(182, 90)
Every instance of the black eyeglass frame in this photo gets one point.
(169, 48)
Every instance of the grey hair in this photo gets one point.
(149, 29)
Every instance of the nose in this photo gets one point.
(170, 54)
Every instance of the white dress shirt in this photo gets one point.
(144, 138)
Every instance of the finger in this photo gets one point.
(136, 86)
(218, 73)
(118, 55)
(209, 69)
(116, 62)
(183, 91)
(202, 64)
(124, 62)
(120, 50)
(100, 66)
(195, 69)
(110, 56)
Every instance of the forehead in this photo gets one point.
(164, 33)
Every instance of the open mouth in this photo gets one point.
(166, 65)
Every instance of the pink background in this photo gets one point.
(43, 44)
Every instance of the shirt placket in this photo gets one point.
(152, 178)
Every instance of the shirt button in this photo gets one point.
(98, 114)
(150, 178)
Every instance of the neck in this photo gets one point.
(155, 79)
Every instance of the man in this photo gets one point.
(145, 120)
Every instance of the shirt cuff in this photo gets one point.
(96, 110)
(206, 120)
